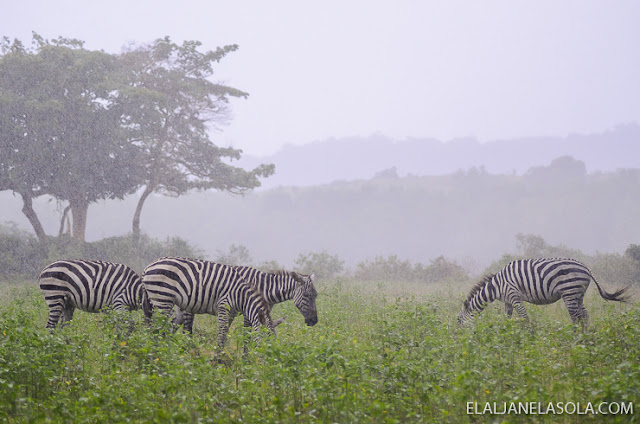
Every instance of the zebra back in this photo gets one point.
(91, 285)
(198, 286)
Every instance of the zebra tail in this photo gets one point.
(621, 295)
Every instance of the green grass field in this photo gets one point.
(379, 354)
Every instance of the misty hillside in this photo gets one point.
(323, 162)
(470, 216)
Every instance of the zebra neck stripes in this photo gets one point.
(275, 287)
(483, 293)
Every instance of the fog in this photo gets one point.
(469, 215)
(490, 70)
(412, 128)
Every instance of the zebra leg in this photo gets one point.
(163, 307)
(67, 313)
(245, 347)
(183, 318)
(508, 309)
(147, 308)
(187, 323)
(55, 310)
(225, 319)
(577, 311)
(519, 307)
(119, 308)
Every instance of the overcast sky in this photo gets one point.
(443, 69)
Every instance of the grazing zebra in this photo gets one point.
(275, 287)
(204, 287)
(537, 281)
(89, 286)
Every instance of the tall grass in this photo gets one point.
(378, 355)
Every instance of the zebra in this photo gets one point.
(537, 281)
(89, 286)
(275, 287)
(203, 287)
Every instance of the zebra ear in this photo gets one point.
(301, 278)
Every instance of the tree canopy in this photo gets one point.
(59, 134)
(169, 107)
(83, 125)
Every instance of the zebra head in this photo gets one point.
(465, 313)
(482, 293)
(304, 297)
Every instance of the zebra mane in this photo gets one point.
(479, 286)
(281, 273)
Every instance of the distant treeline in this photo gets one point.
(470, 217)
(22, 258)
(350, 158)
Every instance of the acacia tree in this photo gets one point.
(18, 158)
(59, 134)
(169, 106)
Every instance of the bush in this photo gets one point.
(385, 269)
(393, 269)
(615, 270)
(441, 269)
(22, 255)
(236, 255)
(324, 265)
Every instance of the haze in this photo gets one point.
(314, 70)
(412, 128)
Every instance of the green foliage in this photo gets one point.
(370, 359)
(384, 269)
(633, 251)
(615, 269)
(440, 270)
(85, 125)
(22, 255)
(59, 134)
(168, 105)
(534, 246)
(323, 264)
(236, 255)
(20, 252)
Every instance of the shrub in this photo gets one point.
(236, 255)
(20, 253)
(614, 269)
(324, 265)
(441, 269)
(385, 269)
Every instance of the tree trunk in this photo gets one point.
(136, 216)
(27, 209)
(79, 207)
(65, 216)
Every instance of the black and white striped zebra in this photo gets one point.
(275, 287)
(203, 287)
(537, 281)
(89, 286)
